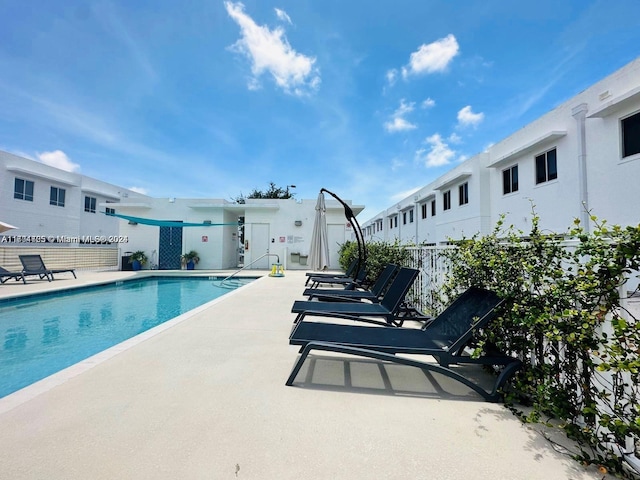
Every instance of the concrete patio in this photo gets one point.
(204, 397)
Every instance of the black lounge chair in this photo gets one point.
(33, 265)
(344, 295)
(445, 339)
(5, 275)
(349, 283)
(347, 274)
(390, 307)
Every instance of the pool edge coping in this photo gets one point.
(32, 391)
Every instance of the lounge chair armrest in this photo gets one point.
(333, 298)
(315, 313)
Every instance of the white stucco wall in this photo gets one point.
(611, 181)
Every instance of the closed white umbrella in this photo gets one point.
(319, 251)
(5, 226)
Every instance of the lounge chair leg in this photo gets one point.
(298, 365)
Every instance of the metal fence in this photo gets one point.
(434, 270)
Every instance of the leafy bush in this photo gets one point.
(563, 318)
(379, 255)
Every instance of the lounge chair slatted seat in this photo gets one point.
(348, 282)
(373, 295)
(347, 274)
(388, 309)
(33, 265)
(445, 339)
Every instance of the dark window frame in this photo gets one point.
(57, 196)
(446, 200)
(463, 194)
(546, 166)
(90, 204)
(23, 189)
(630, 135)
(510, 180)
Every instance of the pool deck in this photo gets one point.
(205, 398)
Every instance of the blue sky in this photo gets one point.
(369, 99)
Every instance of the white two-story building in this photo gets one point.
(580, 159)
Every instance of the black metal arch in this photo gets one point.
(348, 213)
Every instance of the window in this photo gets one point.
(546, 167)
(446, 200)
(57, 197)
(390, 223)
(110, 211)
(423, 211)
(510, 180)
(90, 204)
(404, 218)
(463, 194)
(433, 208)
(395, 221)
(631, 135)
(23, 190)
(411, 216)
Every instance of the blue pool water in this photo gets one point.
(43, 334)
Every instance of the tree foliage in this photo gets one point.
(272, 192)
(379, 255)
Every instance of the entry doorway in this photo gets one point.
(258, 245)
(170, 248)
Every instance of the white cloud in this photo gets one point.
(454, 138)
(428, 103)
(466, 117)
(282, 15)
(433, 57)
(439, 153)
(396, 164)
(269, 51)
(141, 190)
(398, 123)
(58, 159)
(392, 76)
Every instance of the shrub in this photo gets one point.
(563, 318)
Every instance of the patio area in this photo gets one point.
(205, 398)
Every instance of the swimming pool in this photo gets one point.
(45, 333)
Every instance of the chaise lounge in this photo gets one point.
(5, 275)
(390, 307)
(343, 295)
(444, 339)
(33, 265)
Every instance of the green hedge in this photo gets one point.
(379, 255)
(563, 318)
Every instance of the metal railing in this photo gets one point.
(255, 261)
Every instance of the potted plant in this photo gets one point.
(137, 259)
(190, 259)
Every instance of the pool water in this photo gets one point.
(43, 334)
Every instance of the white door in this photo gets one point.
(259, 245)
(335, 235)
